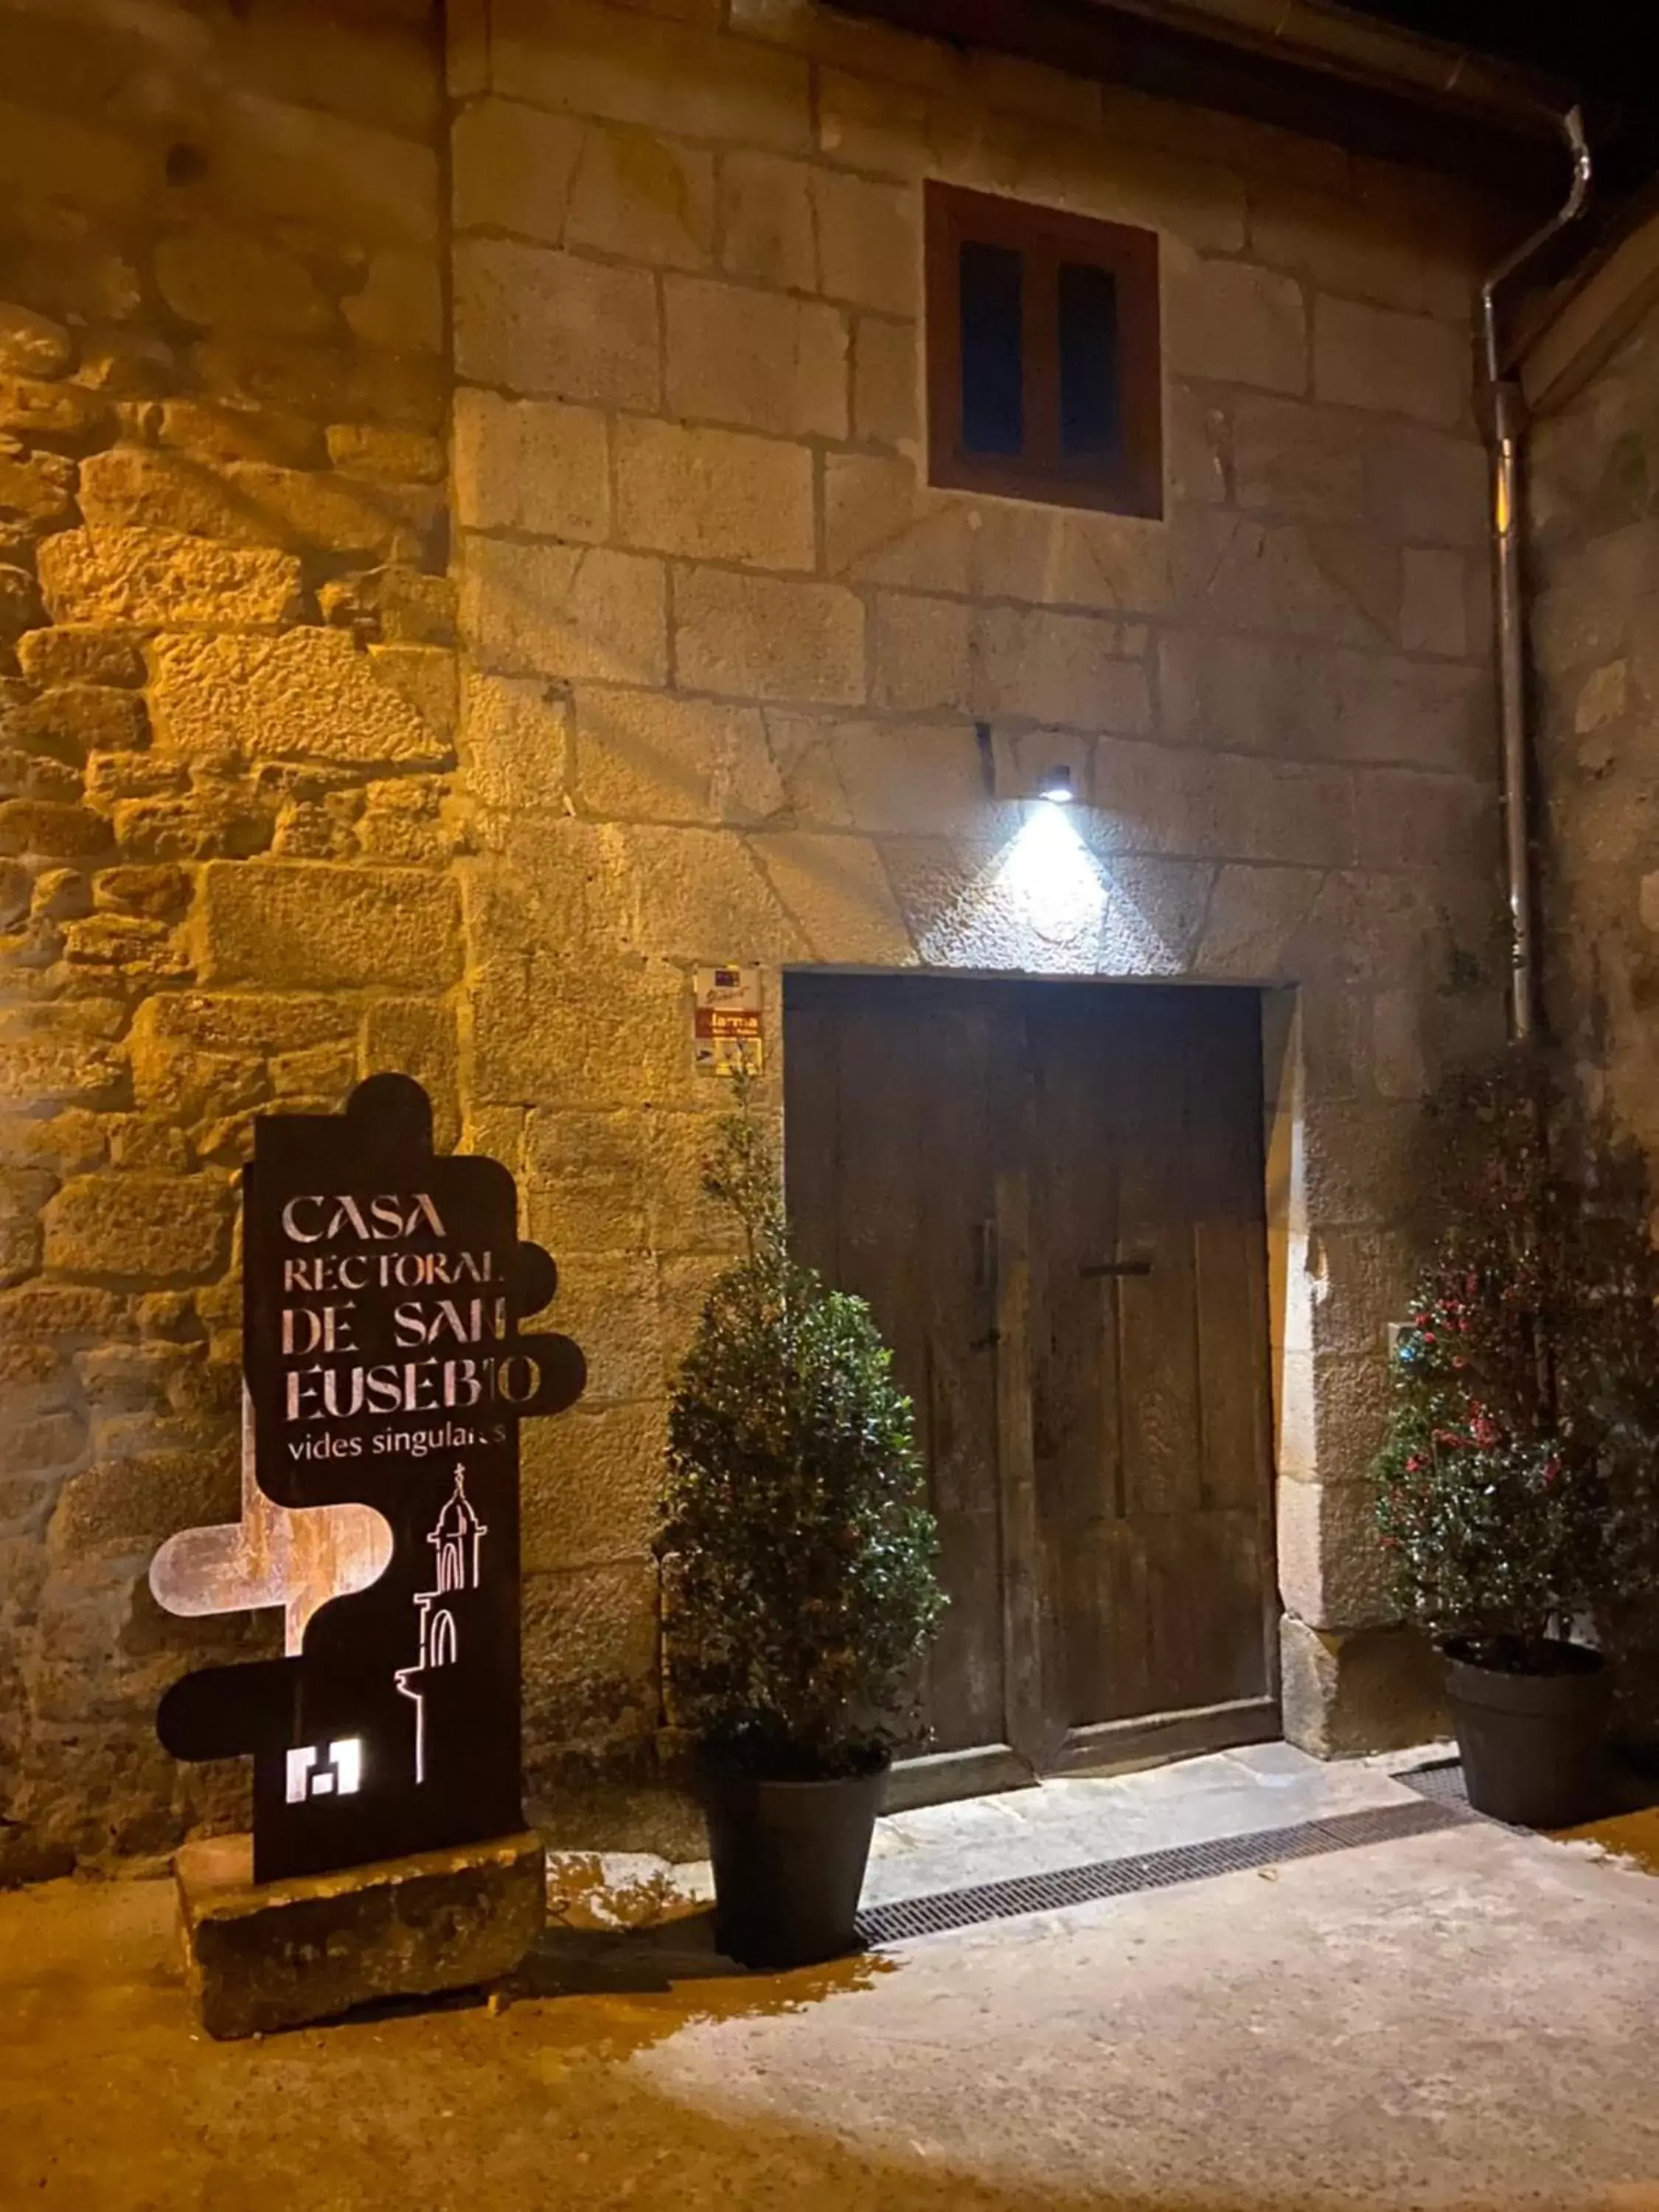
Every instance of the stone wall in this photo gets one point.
(730, 680)
(727, 655)
(1594, 552)
(226, 706)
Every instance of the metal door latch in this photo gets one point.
(1099, 1268)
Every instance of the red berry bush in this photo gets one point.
(1516, 1487)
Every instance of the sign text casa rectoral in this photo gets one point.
(386, 1372)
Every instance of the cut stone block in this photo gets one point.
(265, 1955)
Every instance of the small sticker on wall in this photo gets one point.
(726, 1022)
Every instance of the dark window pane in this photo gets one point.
(1090, 425)
(993, 357)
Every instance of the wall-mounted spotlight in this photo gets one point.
(1056, 787)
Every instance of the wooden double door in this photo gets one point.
(1052, 1194)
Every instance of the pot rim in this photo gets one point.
(722, 1767)
(1586, 1664)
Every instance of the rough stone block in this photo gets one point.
(1070, 670)
(213, 433)
(517, 742)
(641, 756)
(881, 525)
(318, 928)
(408, 391)
(590, 1485)
(1343, 245)
(642, 198)
(513, 169)
(608, 1302)
(836, 892)
(1432, 606)
(869, 249)
(134, 486)
(714, 495)
(31, 344)
(1331, 1567)
(373, 63)
(910, 779)
(642, 68)
(922, 655)
(19, 601)
(40, 487)
(584, 1175)
(62, 654)
(213, 275)
(1060, 557)
(683, 1217)
(532, 464)
(139, 1227)
(1380, 1689)
(415, 1036)
(64, 415)
(122, 1507)
(151, 578)
(886, 389)
(759, 638)
(52, 829)
(1403, 364)
(537, 321)
(567, 612)
(607, 1037)
(1298, 459)
(260, 1957)
(759, 361)
(308, 695)
(1323, 581)
(684, 893)
(70, 720)
(330, 173)
(769, 227)
(590, 1643)
(1411, 821)
(400, 302)
(1237, 324)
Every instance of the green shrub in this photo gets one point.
(798, 1551)
(1515, 1491)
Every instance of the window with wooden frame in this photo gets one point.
(1043, 373)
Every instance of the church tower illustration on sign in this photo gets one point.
(457, 1544)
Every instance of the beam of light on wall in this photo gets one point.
(1045, 901)
(1053, 884)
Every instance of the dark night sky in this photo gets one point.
(1608, 48)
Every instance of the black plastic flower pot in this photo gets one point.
(789, 1860)
(1533, 1745)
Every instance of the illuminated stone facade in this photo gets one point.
(467, 562)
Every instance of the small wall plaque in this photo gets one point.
(727, 1025)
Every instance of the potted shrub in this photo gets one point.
(1513, 1491)
(800, 1581)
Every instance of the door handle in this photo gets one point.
(1096, 1270)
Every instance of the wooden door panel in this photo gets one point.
(1105, 1514)
(1149, 1390)
(875, 1084)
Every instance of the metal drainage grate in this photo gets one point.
(1442, 1784)
(911, 1917)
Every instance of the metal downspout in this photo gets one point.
(1509, 426)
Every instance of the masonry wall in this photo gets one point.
(1594, 552)
(226, 710)
(631, 299)
(726, 654)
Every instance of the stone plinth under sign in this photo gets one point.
(265, 1955)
